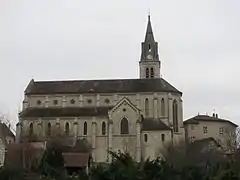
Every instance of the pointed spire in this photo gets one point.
(149, 33)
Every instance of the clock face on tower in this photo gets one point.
(149, 57)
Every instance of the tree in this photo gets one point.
(52, 162)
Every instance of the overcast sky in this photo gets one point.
(199, 45)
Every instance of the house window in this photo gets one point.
(31, 129)
(67, 128)
(103, 128)
(175, 116)
(145, 137)
(49, 129)
(55, 102)
(163, 137)
(146, 107)
(205, 130)
(162, 107)
(147, 73)
(152, 73)
(85, 128)
(192, 127)
(72, 101)
(221, 130)
(124, 126)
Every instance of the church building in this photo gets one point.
(140, 116)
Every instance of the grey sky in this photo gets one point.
(75, 39)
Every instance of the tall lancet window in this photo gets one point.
(67, 128)
(31, 129)
(146, 107)
(175, 116)
(85, 128)
(147, 73)
(162, 107)
(103, 128)
(49, 129)
(124, 126)
(152, 73)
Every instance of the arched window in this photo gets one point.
(146, 107)
(175, 116)
(31, 129)
(145, 137)
(147, 73)
(152, 73)
(162, 107)
(124, 126)
(163, 137)
(85, 128)
(103, 128)
(67, 128)
(149, 46)
(49, 128)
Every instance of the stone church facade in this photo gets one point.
(140, 116)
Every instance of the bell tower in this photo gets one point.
(149, 64)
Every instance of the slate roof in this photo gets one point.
(64, 112)
(151, 124)
(4, 132)
(196, 119)
(100, 86)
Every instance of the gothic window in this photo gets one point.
(163, 137)
(31, 129)
(85, 128)
(175, 116)
(67, 128)
(103, 128)
(146, 107)
(152, 73)
(49, 129)
(145, 137)
(162, 107)
(124, 126)
(89, 101)
(147, 73)
(149, 46)
(39, 102)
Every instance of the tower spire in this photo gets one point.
(149, 32)
(149, 61)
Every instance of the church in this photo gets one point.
(139, 116)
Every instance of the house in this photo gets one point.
(204, 126)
